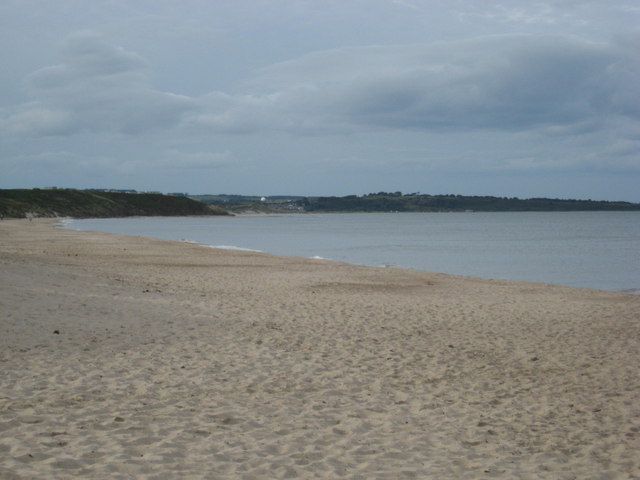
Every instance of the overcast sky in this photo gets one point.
(323, 97)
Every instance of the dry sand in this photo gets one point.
(127, 357)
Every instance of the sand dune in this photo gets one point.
(128, 357)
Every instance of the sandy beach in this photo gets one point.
(136, 358)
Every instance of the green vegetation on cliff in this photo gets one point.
(20, 203)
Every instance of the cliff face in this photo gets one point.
(21, 203)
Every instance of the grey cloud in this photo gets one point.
(195, 160)
(554, 85)
(63, 160)
(234, 114)
(35, 119)
(86, 56)
(508, 83)
(297, 111)
(98, 88)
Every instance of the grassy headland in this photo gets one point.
(21, 203)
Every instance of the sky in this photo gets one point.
(515, 98)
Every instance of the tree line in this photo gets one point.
(397, 202)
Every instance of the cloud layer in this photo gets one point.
(502, 82)
(98, 88)
(507, 83)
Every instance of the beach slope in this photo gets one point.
(128, 357)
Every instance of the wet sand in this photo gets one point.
(128, 357)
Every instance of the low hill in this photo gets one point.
(396, 202)
(413, 202)
(20, 203)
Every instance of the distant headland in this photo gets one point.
(64, 202)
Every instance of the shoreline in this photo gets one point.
(140, 357)
(584, 269)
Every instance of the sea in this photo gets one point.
(598, 250)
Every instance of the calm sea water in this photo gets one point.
(582, 249)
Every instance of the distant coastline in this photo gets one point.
(413, 202)
(52, 203)
(103, 203)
